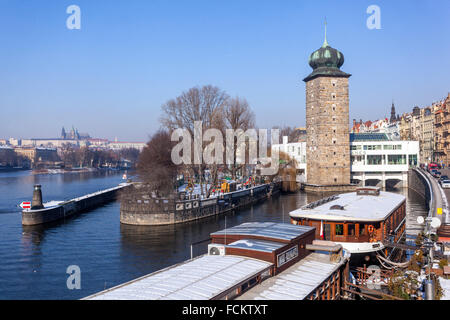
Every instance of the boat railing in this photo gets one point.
(317, 203)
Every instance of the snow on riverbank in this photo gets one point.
(445, 284)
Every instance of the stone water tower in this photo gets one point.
(327, 122)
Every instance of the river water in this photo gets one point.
(34, 260)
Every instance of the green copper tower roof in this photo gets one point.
(326, 62)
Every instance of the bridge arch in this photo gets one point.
(394, 183)
(373, 183)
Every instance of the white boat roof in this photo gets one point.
(355, 207)
(280, 231)
(296, 282)
(256, 245)
(200, 279)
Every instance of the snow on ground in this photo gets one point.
(52, 203)
(445, 284)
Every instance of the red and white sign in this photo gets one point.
(25, 205)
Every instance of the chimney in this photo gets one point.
(285, 139)
(36, 203)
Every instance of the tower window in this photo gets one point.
(333, 95)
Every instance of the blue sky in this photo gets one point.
(111, 77)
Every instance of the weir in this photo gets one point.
(56, 210)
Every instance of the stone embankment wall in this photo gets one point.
(418, 182)
(140, 208)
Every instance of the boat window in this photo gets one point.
(351, 229)
(327, 231)
(339, 228)
(362, 230)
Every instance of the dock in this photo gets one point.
(41, 213)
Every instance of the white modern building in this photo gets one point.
(376, 158)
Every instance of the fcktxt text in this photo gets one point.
(245, 309)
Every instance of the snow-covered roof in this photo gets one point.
(199, 279)
(272, 230)
(257, 245)
(355, 207)
(296, 282)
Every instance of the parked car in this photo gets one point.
(445, 184)
(435, 173)
(432, 166)
(444, 177)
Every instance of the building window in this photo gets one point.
(374, 159)
(412, 159)
(392, 147)
(357, 159)
(372, 147)
(396, 159)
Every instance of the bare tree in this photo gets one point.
(238, 115)
(155, 166)
(205, 104)
(287, 171)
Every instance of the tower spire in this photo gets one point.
(325, 43)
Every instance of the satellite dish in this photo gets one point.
(420, 220)
(435, 223)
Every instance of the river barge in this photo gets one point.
(138, 207)
(364, 222)
(41, 213)
(256, 260)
